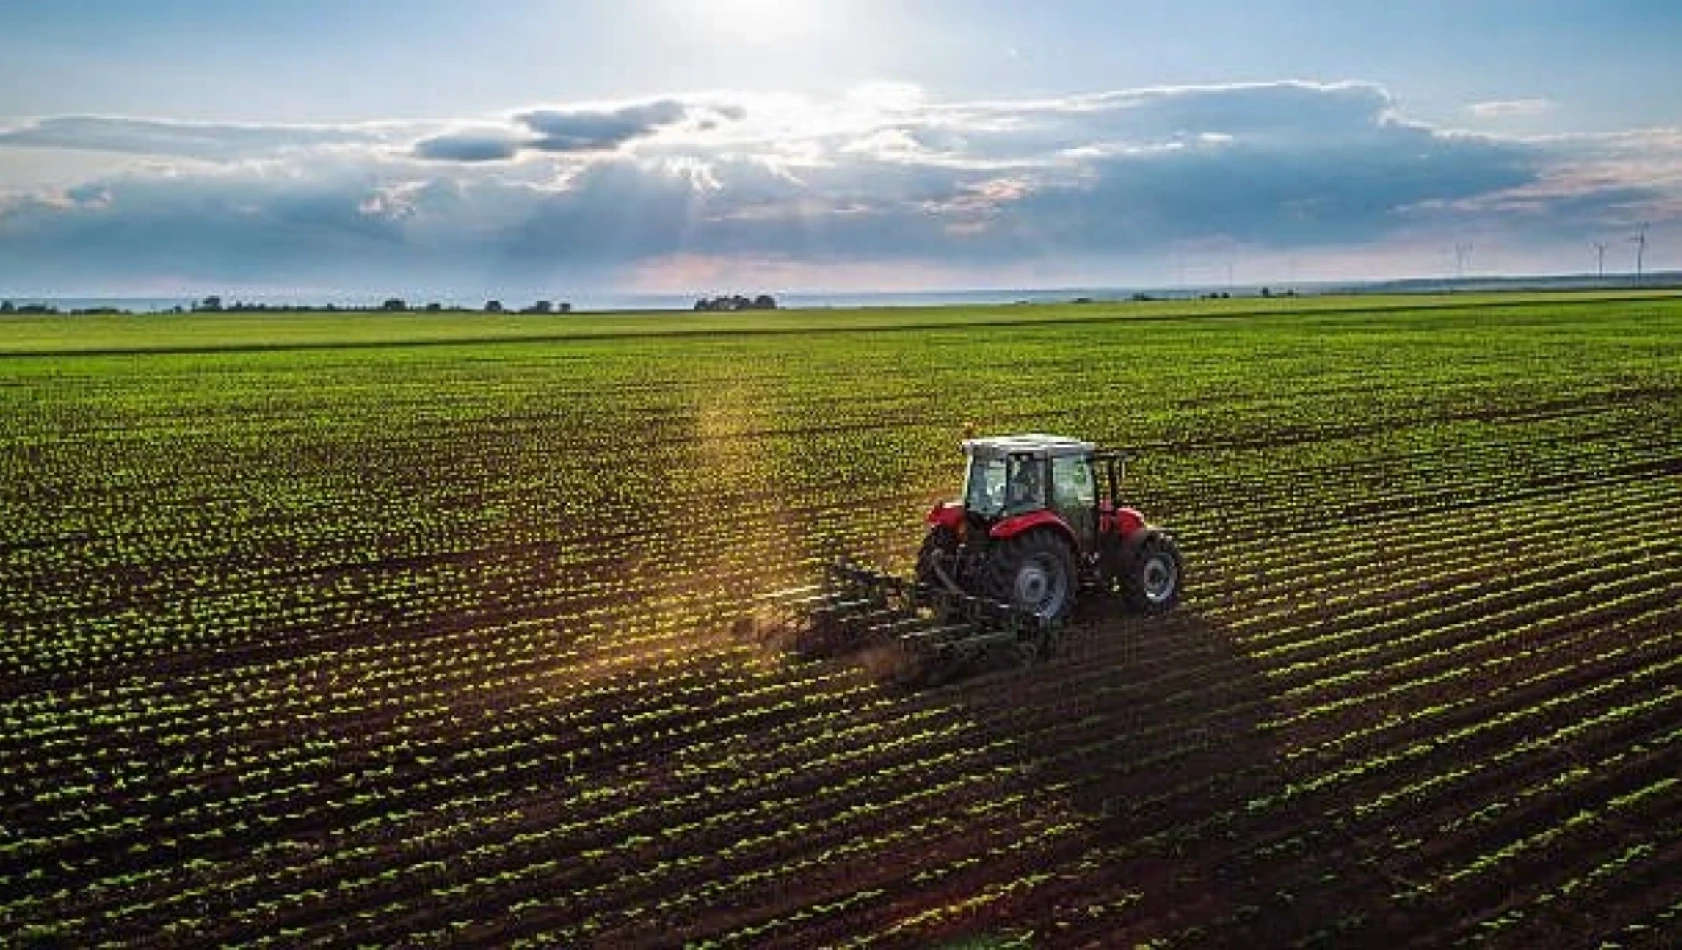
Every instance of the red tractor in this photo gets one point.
(1034, 530)
(1001, 568)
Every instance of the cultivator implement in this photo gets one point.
(935, 629)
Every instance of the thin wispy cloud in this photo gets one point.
(1511, 108)
(175, 139)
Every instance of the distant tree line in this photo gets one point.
(737, 302)
(9, 307)
(542, 306)
(214, 304)
(42, 309)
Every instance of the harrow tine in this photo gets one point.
(935, 629)
(789, 593)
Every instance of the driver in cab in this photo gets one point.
(1024, 489)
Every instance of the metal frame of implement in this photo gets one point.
(932, 624)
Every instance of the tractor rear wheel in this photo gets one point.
(1033, 571)
(1150, 579)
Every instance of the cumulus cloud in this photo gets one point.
(887, 176)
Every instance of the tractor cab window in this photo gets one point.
(984, 486)
(1074, 496)
(996, 486)
(1072, 484)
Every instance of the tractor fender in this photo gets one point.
(947, 514)
(1122, 522)
(1011, 527)
(1132, 543)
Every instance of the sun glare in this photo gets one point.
(754, 21)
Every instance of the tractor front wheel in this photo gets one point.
(1033, 571)
(1151, 576)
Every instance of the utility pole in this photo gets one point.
(1600, 259)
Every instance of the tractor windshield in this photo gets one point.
(999, 485)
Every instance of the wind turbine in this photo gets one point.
(1640, 242)
(1462, 254)
(1600, 254)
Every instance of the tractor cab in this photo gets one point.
(1012, 476)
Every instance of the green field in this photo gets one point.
(422, 630)
(58, 335)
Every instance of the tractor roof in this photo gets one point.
(1032, 443)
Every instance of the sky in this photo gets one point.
(439, 148)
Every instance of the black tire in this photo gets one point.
(1152, 574)
(940, 547)
(1034, 571)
